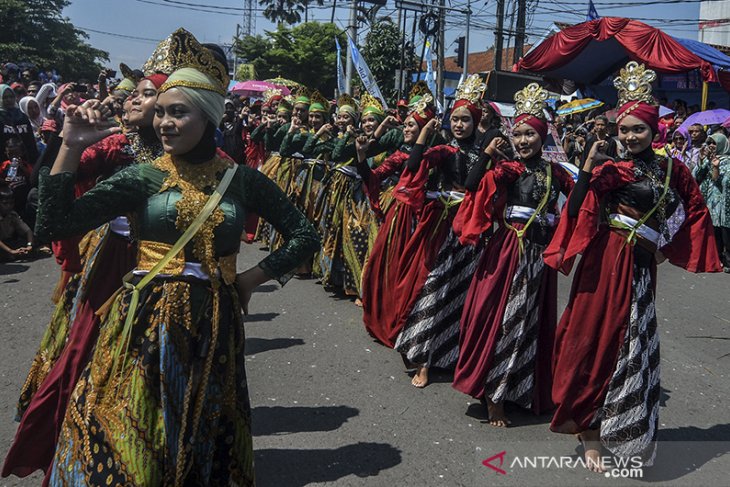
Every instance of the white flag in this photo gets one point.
(341, 88)
(365, 75)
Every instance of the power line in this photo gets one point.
(123, 36)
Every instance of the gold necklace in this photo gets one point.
(195, 183)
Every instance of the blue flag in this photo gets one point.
(365, 75)
(341, 88)
(431, 75)
(592, 12)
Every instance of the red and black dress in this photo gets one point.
(437, 268)
(510, 313)
(381, 271)
(606, 373)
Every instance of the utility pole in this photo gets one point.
(520, 37)
(498, 36)
(352, 32)
(440, 62)
(466, 41)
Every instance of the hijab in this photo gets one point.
(723, 147)
(36, 122)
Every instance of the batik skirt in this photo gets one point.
(606, 372)
(169, 408)
(270, 169)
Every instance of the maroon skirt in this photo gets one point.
(419, 257)
(591, 330)
(483, 318)
(381, 275)
(35, 441)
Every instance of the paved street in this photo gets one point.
(332, 407)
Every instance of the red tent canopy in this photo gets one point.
(591, 51)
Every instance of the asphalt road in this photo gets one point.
(332, 407)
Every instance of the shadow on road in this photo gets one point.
(296, 468)
(258, 345)
(259, 317)
(277, 420)
(684, 450)
(8, 269)
(266, 288)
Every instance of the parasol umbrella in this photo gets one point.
(578, 106)
(708, 117)
(726, 123)
(256, 88)
(283, 82)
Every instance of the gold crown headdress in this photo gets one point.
(302, 95)
(370, 104)
(419, 90)
(471, 89)
(270, 93)
(127, 72)
(531, 100)
(319, 103)
(346, 100)
(423, 105)
(182, 50)
(634, 84)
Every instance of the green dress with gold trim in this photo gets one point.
(174, 407)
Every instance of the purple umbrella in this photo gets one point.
(256, 88)
(708, 117)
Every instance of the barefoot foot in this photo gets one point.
(420, 379)
(496, 414)
(591, 441)
(358, 302)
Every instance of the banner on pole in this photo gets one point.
(365, 75)
(341, 88)
(431, 76)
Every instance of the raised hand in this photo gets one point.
(87, 124)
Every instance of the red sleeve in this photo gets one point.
(478, 210)
(563, 177)
(101, 160)
(391, 165)
(573, 235)
(67, 254)
(411, 185)
(693, 247)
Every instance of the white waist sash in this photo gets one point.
(120, 226)
(349, 171)
(644, 231)
(191, 269)
(525, 212)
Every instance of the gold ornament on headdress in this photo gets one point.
(634, 84)
(419, 89)
(317, 99)
(182, 50)
(368, 101)
(471, 89)
(127, 72)
(346, 100)
(301, 93)
(531, 100)
(423, 104)
(270, 93)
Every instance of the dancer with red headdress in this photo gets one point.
(606, 375)
(381, 274)
(435, 281)
(509, 318)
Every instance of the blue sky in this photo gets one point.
(143, 22)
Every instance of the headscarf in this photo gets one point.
(46, 91)
(38, 121)
(3, 89)
(202, 91)
(157, 79)
(474, 110)
(723, 146)
(540, 126)
(649, 114)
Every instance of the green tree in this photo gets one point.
(286, 11)
(305, 53)
(382, 51)
(35, 31)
